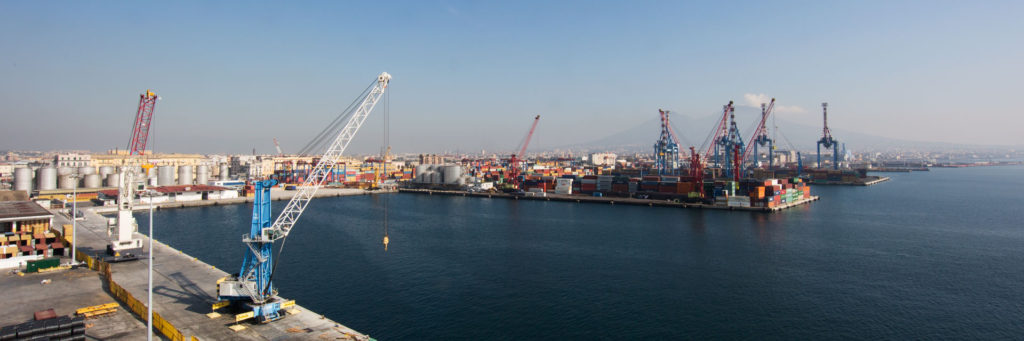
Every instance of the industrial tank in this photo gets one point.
(23, 179)
(86, 170)
(202, 175)
(421, 170)
(451, 174)
(67, 182)
(112, 179)
(165, 176)
(46, 179)
(106, 170)
(184, 175)
(224, 173)
(154, 182)
(65, 171)
(92, 181)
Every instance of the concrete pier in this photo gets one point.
(184, 290)
(610, 200)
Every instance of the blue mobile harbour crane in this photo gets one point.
(251, 290)
(827, 140)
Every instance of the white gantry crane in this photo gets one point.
(252, 289)
(123, 245)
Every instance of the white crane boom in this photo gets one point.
(305, 192)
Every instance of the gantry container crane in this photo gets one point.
(760, 136)
(252, 288)
(513, 163)
(666, 149)
(827, 140)
(123, 246)
(726, 143)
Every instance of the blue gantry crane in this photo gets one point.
(666, 149)
(827, 140)
(251, 290)
(730, 146)
(760, 136)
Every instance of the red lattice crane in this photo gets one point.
(513, 163)
(143, 118)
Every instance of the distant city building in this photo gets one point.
(72, 160)
(431, 159)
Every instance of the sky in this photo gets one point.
(471, 75)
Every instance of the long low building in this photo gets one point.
(180, 193)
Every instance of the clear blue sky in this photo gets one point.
(471, 75)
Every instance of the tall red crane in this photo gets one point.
(513, 163)
(143, 118)
(123, 245)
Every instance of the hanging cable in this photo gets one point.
(330, 130)
(387, 156)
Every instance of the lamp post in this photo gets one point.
(149, 302)
(74, 219)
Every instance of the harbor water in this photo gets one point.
(926, 255)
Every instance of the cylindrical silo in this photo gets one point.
(165, 176)
(106, 170)
(452, 173)
(67, 181)
(65, 171)
(202, 174)
(23, 179)
(224, 173)
(92, 181)
(421, 170)
(184, 175)
(86, 170)
(46, 179)
(112, 179)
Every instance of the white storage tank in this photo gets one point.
(202, 174)
(165, 176)
(112, 179)
(83, 171)
(451, 174)
(421, 170)
(185, 175)
(67, 181)
(92, 181)
(65, 171)
(106, 170)
(224, 173)
(23, 179)
(46, 179)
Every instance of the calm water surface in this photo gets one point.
(927, 255)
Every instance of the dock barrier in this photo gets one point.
(136, 306)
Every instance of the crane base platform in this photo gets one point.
(124, 255)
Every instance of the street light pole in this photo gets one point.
(74, 220)
(149, 303)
